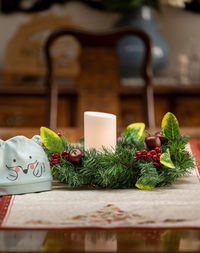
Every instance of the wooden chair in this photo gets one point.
(89, 42)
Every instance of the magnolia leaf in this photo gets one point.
(138, 128)
(51, 140)
(165, 159)
(144, 186)
(170, 126)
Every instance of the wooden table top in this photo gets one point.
(97, 240)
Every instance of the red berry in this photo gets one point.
(65, 152)
(157, 165)
(157, 149)
(159, 155)
(56, 161)
(153, 152)
(144, 152)
(59, 134)
(66, 157)
(155, 157)
(56, 155)
(188, 154)
(144, 156)
(149, 155)
(135, 158)
(138, 153)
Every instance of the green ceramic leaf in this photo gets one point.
(170, 126)
(144, 186)
(51, 140)
(165, 159)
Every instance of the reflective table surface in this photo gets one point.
(123, 240)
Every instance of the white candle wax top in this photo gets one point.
(99, 130)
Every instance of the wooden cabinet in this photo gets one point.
(183, 101)
(26, 106)
(30, 111)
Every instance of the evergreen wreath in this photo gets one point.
(140, 159)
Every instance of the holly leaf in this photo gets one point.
(141, 184)
(138, 128)
(51, 140)
(170, 126)
(165, 159)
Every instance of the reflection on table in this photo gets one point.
(100, 240)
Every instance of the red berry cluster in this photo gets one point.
(65, 155)
(55, 157)
(153, 155)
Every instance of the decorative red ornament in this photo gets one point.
(162, 138)
(59, 134)
(152, 141)
(135, 158)
(75, 155)
(159, 155)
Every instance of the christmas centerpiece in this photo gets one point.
(140, 159)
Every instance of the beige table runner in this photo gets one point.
(174, 206)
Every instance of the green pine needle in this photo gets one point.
(117, 170)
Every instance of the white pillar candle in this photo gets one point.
(99, 130)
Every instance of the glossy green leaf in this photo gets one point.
(170, 126)
(138, 128)
(144, 186)
(165, 159)
(53, 171)
(51, 140)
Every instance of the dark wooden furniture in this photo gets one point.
(98, 85)
(25, 105)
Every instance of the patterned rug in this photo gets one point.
(164, 207)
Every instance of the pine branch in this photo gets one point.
(119, 169)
